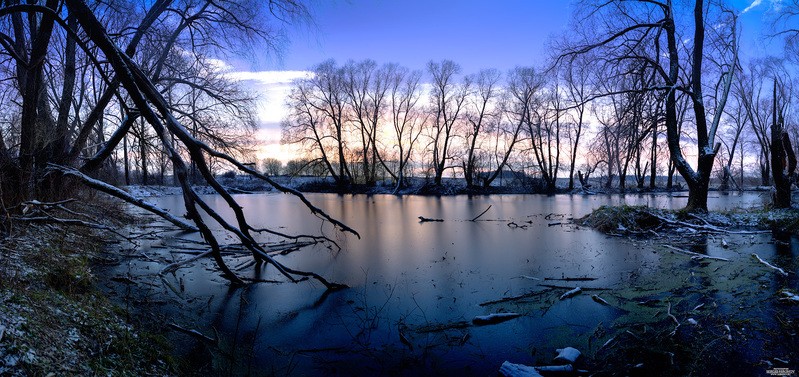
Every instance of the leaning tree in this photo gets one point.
(44, 148)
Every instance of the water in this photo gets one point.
(410, 277)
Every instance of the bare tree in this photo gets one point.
(516, 106)
(625, 25)
(407, 117)
(448, 98)
(481, 113)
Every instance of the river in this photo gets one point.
(415, 286)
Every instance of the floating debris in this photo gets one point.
(600, 300)
(509, 369)
(567, 355)
(494, 318)
(571, 293)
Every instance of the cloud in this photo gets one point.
(754, 4)
(269, 77)
(272, 89)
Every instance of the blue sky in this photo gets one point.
(475, 34)
(499, 34)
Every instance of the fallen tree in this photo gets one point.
(139, 98)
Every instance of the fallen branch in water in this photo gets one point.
(494, 318)
(668, 312)
(571, 293)
(515, 298)
(572, 279)
(600, 300)
(481, 214)
(769, 265)
(175, 266)
(696, 255)
(425, 219)
(571, 288)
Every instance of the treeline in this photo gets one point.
(360, 118)
(621, 97)
(548, 123)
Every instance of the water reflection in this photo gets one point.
(405, 274)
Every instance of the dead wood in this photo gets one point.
(695, 255)
(769, 265)
(481, 214)
(516, 298)
(155, 110)
(425, 219)
(193, 333)
(572, 279)
(121, 194)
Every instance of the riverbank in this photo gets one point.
(54, 321)
(413, 186)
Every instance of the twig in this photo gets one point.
(769, 265)
(179, 264)
(193, 333)
(481, 213)
(668, 312)
(695, 255)
(709, 228)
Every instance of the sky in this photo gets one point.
(499, 34)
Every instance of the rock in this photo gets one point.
(509, 369)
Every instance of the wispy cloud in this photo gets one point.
(754, 4)
(269, 77)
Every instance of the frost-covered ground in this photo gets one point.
(53, 322)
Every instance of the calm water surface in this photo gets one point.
(406, 276)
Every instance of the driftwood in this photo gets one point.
(668, 313)
(515, 298)
(696, 255)
(193, 333)
(494, 318)
(769, 265)
(444, 327)
(707, 227)
(600, 300)
(404, 339)
(423, 219)
(571, 293)
(572, 288)
(568, 368)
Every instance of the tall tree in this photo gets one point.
(622, 26)
(448, 99)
